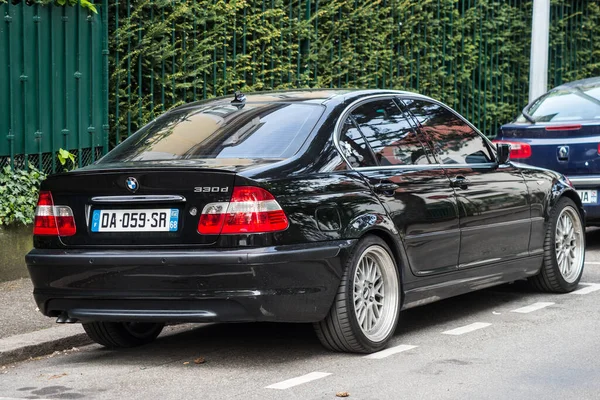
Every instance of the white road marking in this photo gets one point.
(592, 262)
(591, 287)
(467, 328)
(391, 351)
(533, 307)
(313, 376)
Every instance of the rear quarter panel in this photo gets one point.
(545, 188)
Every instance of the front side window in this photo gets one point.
(390, 134)
(453, 140)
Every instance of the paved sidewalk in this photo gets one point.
(19, 312)
(25, 332)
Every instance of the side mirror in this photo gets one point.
(503, 151)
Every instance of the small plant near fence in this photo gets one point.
(66, 159)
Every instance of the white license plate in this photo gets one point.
(588, 196)
(152, 220)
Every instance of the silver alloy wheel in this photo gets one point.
(569, 244)
(375, 293)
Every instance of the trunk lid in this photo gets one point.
(163, 210)
(571, 149)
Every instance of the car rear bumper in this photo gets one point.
(592, 214)
(295, 283)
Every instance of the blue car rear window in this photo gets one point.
(256, 130)
(565, 105)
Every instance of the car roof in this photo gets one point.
(589, 82)
(311, 96)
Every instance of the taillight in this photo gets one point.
(250, 210)
(599, 149)
(568, 181)
(517, 149)
(51, 220)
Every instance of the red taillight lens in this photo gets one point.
(568, 181)
(51, 220)
(575, 127)
(251, 210)
(517, 149)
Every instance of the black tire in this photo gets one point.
(550, 278)
(115, 335)
(340, 330)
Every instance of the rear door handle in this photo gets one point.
(459, 182)
(385, 187)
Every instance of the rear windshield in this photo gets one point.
(254, 130)
(568, 104)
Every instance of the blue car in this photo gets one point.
(561, 131)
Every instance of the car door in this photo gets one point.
(382, 143)
(495, 220)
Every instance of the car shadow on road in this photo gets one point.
(457, 308)
(251, 344)
(592, 239)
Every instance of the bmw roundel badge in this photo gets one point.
(132, 184)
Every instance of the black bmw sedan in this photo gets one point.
(334, 207)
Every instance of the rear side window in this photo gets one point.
(453, 140)
(390, 134)
(564, 105)
(265, 130)
(355, 147)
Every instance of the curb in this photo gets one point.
(40, 343)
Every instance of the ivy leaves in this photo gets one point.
(84, 3)
(63, 156)
(18, 195)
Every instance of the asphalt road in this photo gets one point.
(502, 343)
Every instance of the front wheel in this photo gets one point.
(365, 311)
(116, 335)
(564, 250)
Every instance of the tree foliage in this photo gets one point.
(472, 54)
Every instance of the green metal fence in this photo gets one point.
(53, 85)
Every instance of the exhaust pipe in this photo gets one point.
(64, 318)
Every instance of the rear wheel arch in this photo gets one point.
(571, 194)
(398, 253)
(557, 195)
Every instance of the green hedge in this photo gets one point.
(473, 55)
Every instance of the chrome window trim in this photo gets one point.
(426, 166)
(402, 95)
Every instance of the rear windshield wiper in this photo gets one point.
(527, 116)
